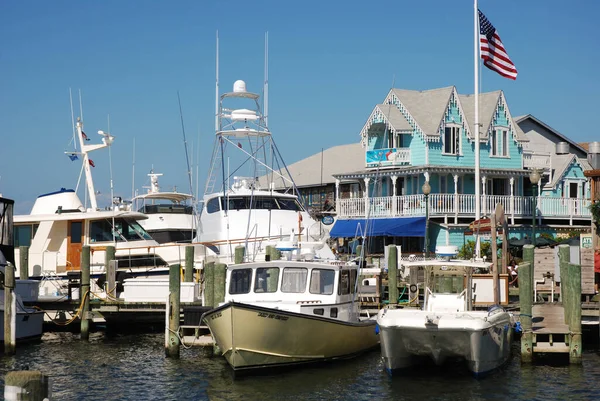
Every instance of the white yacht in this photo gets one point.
(60, 224)
(171, 216)
(447, 326)
(290, 312)
(241, 206)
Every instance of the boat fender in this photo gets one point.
(376, 328)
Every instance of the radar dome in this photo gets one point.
(239, 86)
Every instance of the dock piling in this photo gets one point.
(10, 311)
(173, 308)
(572, 306)
(240, 251)
(189, 264)
(209, 284)
(526, 304)
(84, 293)
(111, 272)
(564, 257)
(23, 262)
(219, 283)
(392, 264)
(30, 385)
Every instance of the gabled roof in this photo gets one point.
(560, 165)
(336, 160)
(394, 117)
(562, 138)
(487, 107)
(426, 107)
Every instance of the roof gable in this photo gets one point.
(388, 114)
(427, 108)
(561, 138)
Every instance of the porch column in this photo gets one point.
(512, 200)
(539, 204)
(367, 180)
(428, 201)
(394, 197)
(337, 196)
(455, 199)
(484, 195)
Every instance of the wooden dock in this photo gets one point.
(550, 333)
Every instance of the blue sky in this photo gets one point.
(330, 63)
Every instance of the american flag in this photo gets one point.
(492, 50)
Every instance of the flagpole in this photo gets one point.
(476, 123)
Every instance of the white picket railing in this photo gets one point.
(462, 205)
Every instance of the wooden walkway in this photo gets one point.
(550, 333)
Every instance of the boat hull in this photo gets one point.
(252, 337)
(482, 341)
(29, 326)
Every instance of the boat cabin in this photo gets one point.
(305, 287)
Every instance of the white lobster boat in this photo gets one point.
(289, 312)
(447, 326)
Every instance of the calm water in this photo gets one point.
(133, 367)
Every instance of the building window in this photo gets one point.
(452, 140)
(499, 143)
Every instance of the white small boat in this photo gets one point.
(28, 321)
(447, 327)
(171, 217)
(289, 312)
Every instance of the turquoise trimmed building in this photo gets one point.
(414, 137)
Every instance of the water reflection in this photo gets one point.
(133, 367)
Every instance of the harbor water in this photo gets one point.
(134, 367)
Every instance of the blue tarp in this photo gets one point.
(396, 227)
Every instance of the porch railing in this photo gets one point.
(462, 205)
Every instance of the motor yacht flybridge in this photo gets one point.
(171, 217)
(241, 206)
(60, 224)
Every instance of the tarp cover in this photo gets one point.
(396, 227)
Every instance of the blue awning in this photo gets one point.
(396, 227)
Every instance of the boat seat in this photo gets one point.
(445, 303)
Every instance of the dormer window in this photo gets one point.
(452, 140)
(499, 142)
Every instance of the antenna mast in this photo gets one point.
(217, 88)
(266, 87)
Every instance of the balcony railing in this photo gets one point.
(539, 160)
(462, 205)
(388, 157)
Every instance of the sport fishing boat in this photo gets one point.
(289, 312)
(171, 217)
(250, 199)
(447, 326)
(59, 225)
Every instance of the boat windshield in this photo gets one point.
(166, 209)
(124, 230)
(255, 203)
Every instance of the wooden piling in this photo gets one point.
(209, 284)
(392, 263)
(572, 305)
(84, 292)
(495, 275)
(10, 311)
(359, 251)
(219, 286)
(564, 257)
(189, 264)
(172, 340)
(111, 272)
(526, 304)
(30, 385)
(23, 262)
(240, 251)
